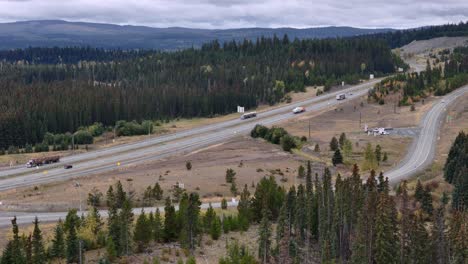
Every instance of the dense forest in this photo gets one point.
(39, 98)
(67, 55)
(323, 221)
(400, 38)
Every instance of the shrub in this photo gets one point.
(82, 137)
(13, 150)
(224, 204)
(28, 148)
(288, 143)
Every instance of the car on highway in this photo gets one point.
(298, 110)
(68, 166)
(248, 115)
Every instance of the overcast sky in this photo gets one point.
(242, 13)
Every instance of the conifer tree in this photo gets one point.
(264, 240)
(111, 251)
(419, 242)
(342, 140)
(337, 158)
(142, 232)
(209, 217)
(378, 153)
(334, 145)
(300, 215)
(72, 241)
(38, 251)
(405, 225)
(215, 228)
(58, 242)
(438, 237)
(457, 234)
(170, 222)
(283, 235)
(13, 252)
(126, 223)
(386, 238)
(158, 235)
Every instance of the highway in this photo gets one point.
(419, 156)
(422, 150)
(161, 147)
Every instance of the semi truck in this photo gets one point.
(41, 161)
(340, 96)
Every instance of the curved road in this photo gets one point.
(164, 146)
(422, 150)
(418, 157)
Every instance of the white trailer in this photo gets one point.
(341, 96)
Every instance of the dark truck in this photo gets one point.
(41, 161)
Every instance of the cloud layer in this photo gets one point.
(242, 13)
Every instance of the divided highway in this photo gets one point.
(164, 146)
(419, 156)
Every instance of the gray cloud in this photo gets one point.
(241, 13)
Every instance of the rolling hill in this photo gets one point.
(50, 33)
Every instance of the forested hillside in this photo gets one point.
(402, 37)
(46, 96)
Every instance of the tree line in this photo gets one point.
(344, 220)
(400, 38)
(212, 80)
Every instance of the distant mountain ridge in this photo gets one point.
(50, 33)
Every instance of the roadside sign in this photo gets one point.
(240, 109)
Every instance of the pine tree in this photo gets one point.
(142, 232)
(72, 242)
(170, 222)
(158, 234)
(364, 244)
(457, 234)
(215, 228)
(405, 225)
(301, 172)
(342, 140)
(419, 241)
(120, 195)
(300, 215)
(264, 240)
(419, 191)
(58, 242)
(230, 175)
(243, 209)
(283, 236)
(378, 153)
(426, 202)
(126, 223)
(317, 147)
(38, 251)
(337, 158)
(210, 216)
(13, 252)
(111, 251)
(439, 238)
(334, 145)
(386, 239)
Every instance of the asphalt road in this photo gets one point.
(164, 146)
(422, 150)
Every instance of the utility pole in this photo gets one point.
(309, 129)
(359, 118)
